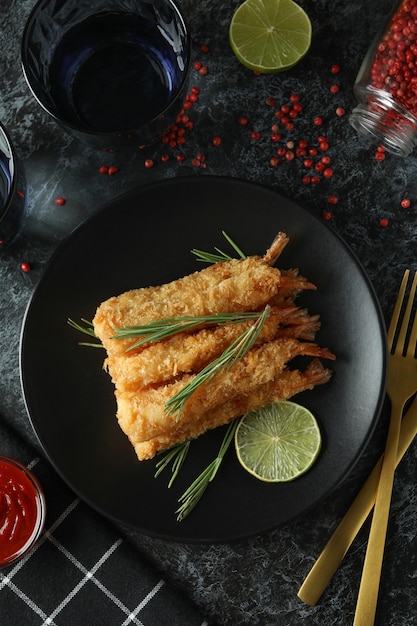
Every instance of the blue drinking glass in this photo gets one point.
(12, 191)
(113, 73)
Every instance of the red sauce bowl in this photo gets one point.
(22, 510)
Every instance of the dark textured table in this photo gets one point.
(254, 581)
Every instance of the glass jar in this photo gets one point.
(22, 510)
(12, 191)
(386, 85)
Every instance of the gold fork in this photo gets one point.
(401, 385)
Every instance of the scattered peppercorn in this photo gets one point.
(405, 203)
(149, 163)
(383, 222)
(379, 155)
(25, 266)
(60, 201)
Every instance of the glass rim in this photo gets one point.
(41, 511)
(82, 130)
(13, 174)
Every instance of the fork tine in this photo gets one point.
(397, 310)
(406, 319)
(413, 335)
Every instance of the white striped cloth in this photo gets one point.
(82, 572)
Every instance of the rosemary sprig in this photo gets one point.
(210, 257)
(162, 329)
(195, 491)
(233, 353)
(177, 455)
(86, 328)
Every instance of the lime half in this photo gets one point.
(278, 442)
(270, 35)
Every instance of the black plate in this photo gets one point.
(144, 238)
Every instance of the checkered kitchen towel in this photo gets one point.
(81, 572)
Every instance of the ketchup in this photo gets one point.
(22, 510)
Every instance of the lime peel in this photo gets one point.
(278, 442)
(270, 36)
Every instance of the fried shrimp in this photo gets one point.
(190, 352)
(288, 384)
(143, 415)
(146, 377)
(235, 285)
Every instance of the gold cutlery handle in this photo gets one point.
(330, 558)
(371, 574)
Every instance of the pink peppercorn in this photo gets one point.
(149, 163)
(327, 215)
(113, 169)
(383, 222)
(405, 203)
(104, 169)
(60, 201)
(332, 200)
(217, 141)
(318, 120)
(25, 267)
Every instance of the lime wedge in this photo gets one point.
(270, 35)
(278, 442)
